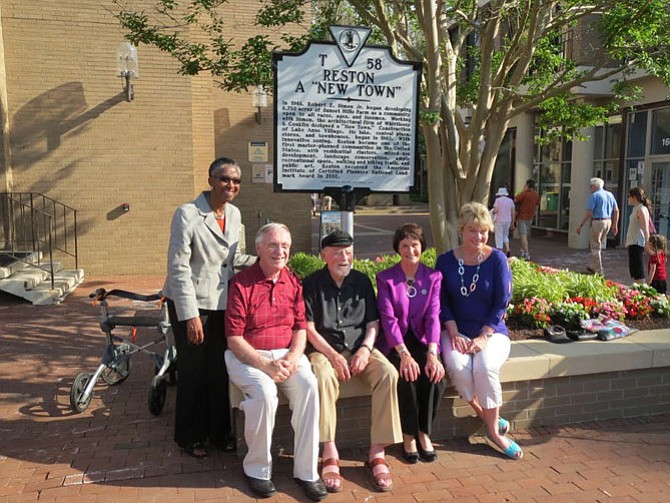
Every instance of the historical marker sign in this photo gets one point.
(345, 114)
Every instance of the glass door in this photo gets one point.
(660, 195)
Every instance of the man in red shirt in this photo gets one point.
(527, 200)
(265, 326)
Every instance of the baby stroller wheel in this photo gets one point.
(78, 387)
(119, 368)
(157, 396)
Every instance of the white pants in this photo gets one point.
(260, 407)
(477, 375)
(502, 233)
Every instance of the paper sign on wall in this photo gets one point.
(258, 151)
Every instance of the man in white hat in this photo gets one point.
(503, 211)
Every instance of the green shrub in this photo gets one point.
(531, 280)
(372, 267)
(661, 306)
(429, 257)
(304, 264)
(541, 295)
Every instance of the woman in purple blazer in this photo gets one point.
(409, 307)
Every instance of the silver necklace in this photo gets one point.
(465, 292)
(411, 289)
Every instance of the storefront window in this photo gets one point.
(550, 176)
(637, 134)
(660, 132)
(613, 140)
(607, 153)
(647, 164)
(552, 167)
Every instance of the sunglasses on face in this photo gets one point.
(227, 179)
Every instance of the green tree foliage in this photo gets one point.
(484, 64)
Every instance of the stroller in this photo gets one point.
(115, 364)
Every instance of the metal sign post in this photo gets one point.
(347, 197)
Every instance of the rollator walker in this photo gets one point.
(115, 364)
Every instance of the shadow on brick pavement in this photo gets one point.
(116, 450)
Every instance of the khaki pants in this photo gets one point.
(598, 236)
(380, 377)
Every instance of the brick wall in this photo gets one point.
(590, 397)
(73, 137)
(533, 403)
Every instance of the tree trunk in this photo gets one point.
(442, 193)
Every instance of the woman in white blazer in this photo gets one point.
(202, 255)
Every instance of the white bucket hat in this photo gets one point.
(502, 191)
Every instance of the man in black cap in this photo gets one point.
(342, 325)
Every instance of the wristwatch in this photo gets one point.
(432, 351)
(366, 346)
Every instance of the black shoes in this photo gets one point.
(315, 491)
(197, 450)
(226, 444)
(410, 457)
(426, 456)
(261, 488)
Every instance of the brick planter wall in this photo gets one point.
(541, 402)
(543, 385)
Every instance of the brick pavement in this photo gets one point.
(118, 451)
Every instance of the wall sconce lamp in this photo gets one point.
(126, 67)
(259, 100)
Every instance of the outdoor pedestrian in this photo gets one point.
(203, 251)
(527, 201)
(408, 298)
(314, 200)
(603, 212)
(637, 235)
(326, 203)
(657, 275)
(476, 288)
(504, 219)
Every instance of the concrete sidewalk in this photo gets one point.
(117, 451)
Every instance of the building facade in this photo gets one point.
(632, 149)
(69, 133)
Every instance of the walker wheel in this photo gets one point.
(118, 369)
(157, 396)
(78, 387)
(172, 374)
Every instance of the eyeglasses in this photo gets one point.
(227, 179)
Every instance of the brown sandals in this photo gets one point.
(380, 475)
(331, 475)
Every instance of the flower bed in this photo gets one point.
(541, 295)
